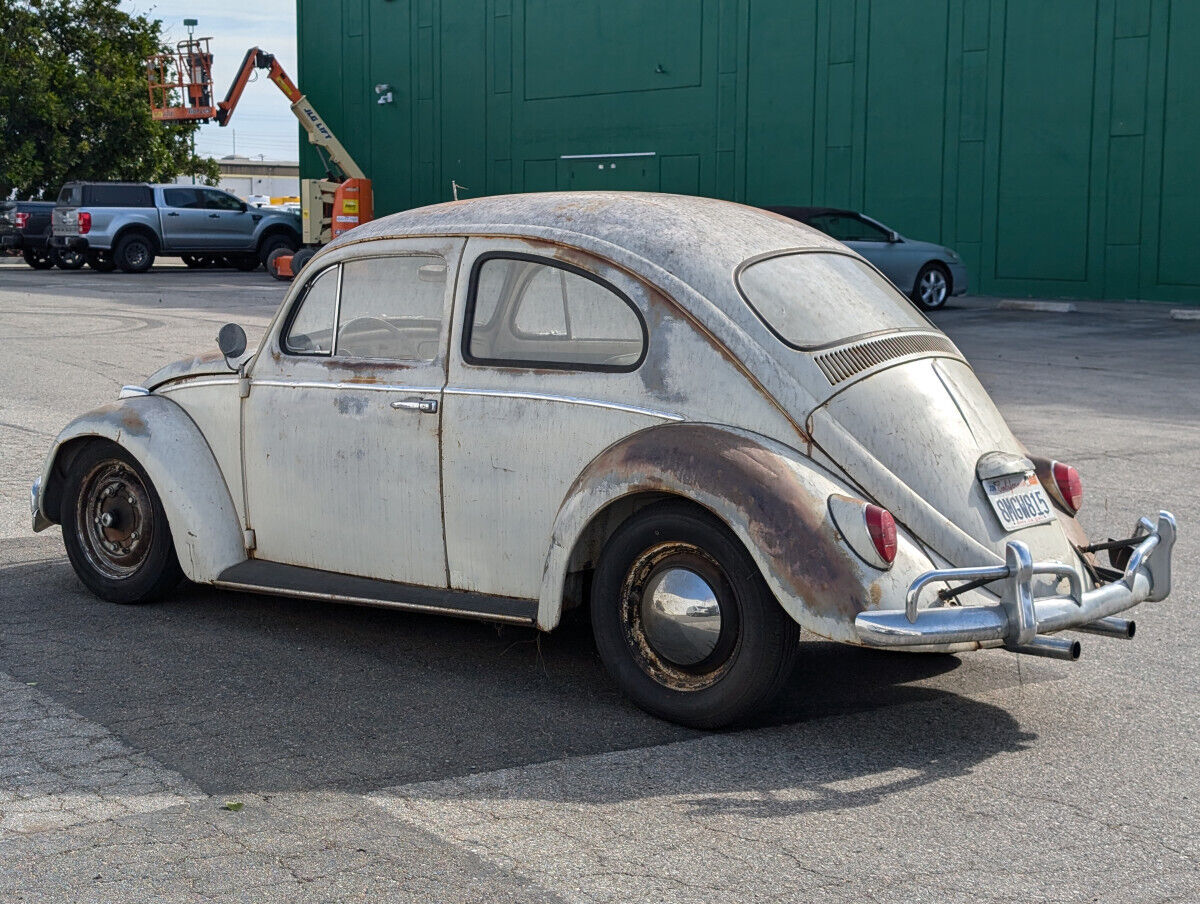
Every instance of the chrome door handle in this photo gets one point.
(425, 406)
(172, 214)
(214, 216)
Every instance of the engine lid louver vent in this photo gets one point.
(840, 364)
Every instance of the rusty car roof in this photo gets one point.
(698, 240)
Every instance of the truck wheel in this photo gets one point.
(134, 253)
(70, 260)
(39, 258)
(245, 262)
(101, 261)
(300, 258)
(273, 243)
(115, 529)
(684, 621)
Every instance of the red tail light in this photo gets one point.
(85, 222)
(1070, 487)
(882, 526)
(22, 219)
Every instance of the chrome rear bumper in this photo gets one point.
(1019, 621)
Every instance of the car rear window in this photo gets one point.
(809, 299)
(69, 196)
(119, 196)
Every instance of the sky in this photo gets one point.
(263, 123)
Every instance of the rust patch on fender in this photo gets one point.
(740, 477)
(131, 422)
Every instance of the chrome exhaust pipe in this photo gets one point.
(1112, 626)
(1053, 647)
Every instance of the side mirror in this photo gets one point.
(245, 207)
(231, 340)
(893, 236)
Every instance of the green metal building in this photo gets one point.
(1054, 143)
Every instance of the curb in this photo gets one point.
(1048, 307)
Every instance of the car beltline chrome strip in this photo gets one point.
(574, 400)
(370, 601)
(184, 383)
(369, 387)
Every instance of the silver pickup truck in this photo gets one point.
(127, 224)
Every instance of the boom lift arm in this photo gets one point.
(339, 163)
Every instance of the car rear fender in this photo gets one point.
(773, 498)
(169, 446)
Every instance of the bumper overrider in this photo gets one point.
(1019, 622)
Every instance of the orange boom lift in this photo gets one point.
(329, 206)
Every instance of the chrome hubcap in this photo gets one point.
(681, 616)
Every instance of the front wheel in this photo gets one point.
(932, 287)
(684, 621)
(115, 529)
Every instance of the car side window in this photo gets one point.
(181, 197)
(392, 308)
(218, 200)
(848, 229)
(533, 312)
(310, 331)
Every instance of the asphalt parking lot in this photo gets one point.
(382, 756)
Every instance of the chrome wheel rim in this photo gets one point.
(933, 288)
(114, 520)
(680, 616)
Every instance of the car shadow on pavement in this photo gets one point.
(255, 693)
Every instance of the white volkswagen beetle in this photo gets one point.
(711, 424)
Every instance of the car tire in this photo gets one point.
(245, 262)
(39, 258)
(69, 260)
(273, 243)
(101, 261)
(129, 556)
(134, 253)
(932, 288)
(684, 666)
(301, 258)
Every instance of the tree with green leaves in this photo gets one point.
(74, 102)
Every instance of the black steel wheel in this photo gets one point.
(932, 287)
(134, 252)
(101, 261)
(40, 258)
(684, 621)
(70, 260)
(115, 529)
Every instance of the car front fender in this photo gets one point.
(170, 448)
(773, 498)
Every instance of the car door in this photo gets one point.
(341, 431)
(185, 222)
(545, 373)
(231, 222)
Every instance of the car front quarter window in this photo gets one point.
(310, 330)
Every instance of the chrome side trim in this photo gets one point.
(366, 387)
(606, 156)
(572, 400)
(181, 384)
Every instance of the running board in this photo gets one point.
(277, 579)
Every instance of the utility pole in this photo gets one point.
(190, 25)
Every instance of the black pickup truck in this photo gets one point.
(25, 229)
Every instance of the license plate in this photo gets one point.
(1018, 500)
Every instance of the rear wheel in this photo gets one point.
(39, 258)
(101, 261)
(300, 258)
(932, 287)
(134, 253)
(115, 529)
(70, 260)
(684, 621)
